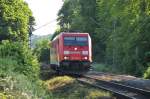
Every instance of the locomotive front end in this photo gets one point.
(76, 53)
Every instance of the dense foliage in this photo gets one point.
(16, 85)
(41, 50)
(15, 22)
(15, 19)
(27, 63)
(19, 68)
(119, 30)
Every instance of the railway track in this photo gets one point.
(119, 90)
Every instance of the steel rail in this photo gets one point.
(119, 90)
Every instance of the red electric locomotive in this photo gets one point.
(71, 52)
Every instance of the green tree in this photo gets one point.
(15, 19)
(126, 23)
(27, 62)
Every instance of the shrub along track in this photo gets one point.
(119, 90)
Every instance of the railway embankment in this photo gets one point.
(66, 87)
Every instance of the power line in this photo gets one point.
(44, 25)
(32, 30)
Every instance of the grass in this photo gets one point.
(59, 82)
(18, 86)
(65, 87)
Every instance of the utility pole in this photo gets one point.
(114, 41)
(31, 29)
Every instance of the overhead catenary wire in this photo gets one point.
(44, 25)
(32, 30)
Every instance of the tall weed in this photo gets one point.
(16, 85)
(147, 72)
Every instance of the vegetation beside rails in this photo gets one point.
(110, 69)
(104, 68)
(14, 85)
(19, 73)
(65, 87)
(147, 72)
(17, 85)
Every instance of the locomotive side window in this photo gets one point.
(75, 41)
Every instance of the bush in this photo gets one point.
(7, 66)
(26, 62)
(16, 85)
(42, 50)
(147, 72)
(19, 86)
(104, 68)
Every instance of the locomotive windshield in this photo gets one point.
(76, 41)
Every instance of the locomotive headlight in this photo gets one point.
(85, 58)
(66, 52)
(85, 52)
(66, 57)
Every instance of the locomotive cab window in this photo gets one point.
(69, 38)
(75, 41)
(82, 39)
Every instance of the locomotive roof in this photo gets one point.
(69, 34)
(73, 33)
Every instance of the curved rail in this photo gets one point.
(119, 90)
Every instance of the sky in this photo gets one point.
(45, 12)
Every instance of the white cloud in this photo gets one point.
(45, 11)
